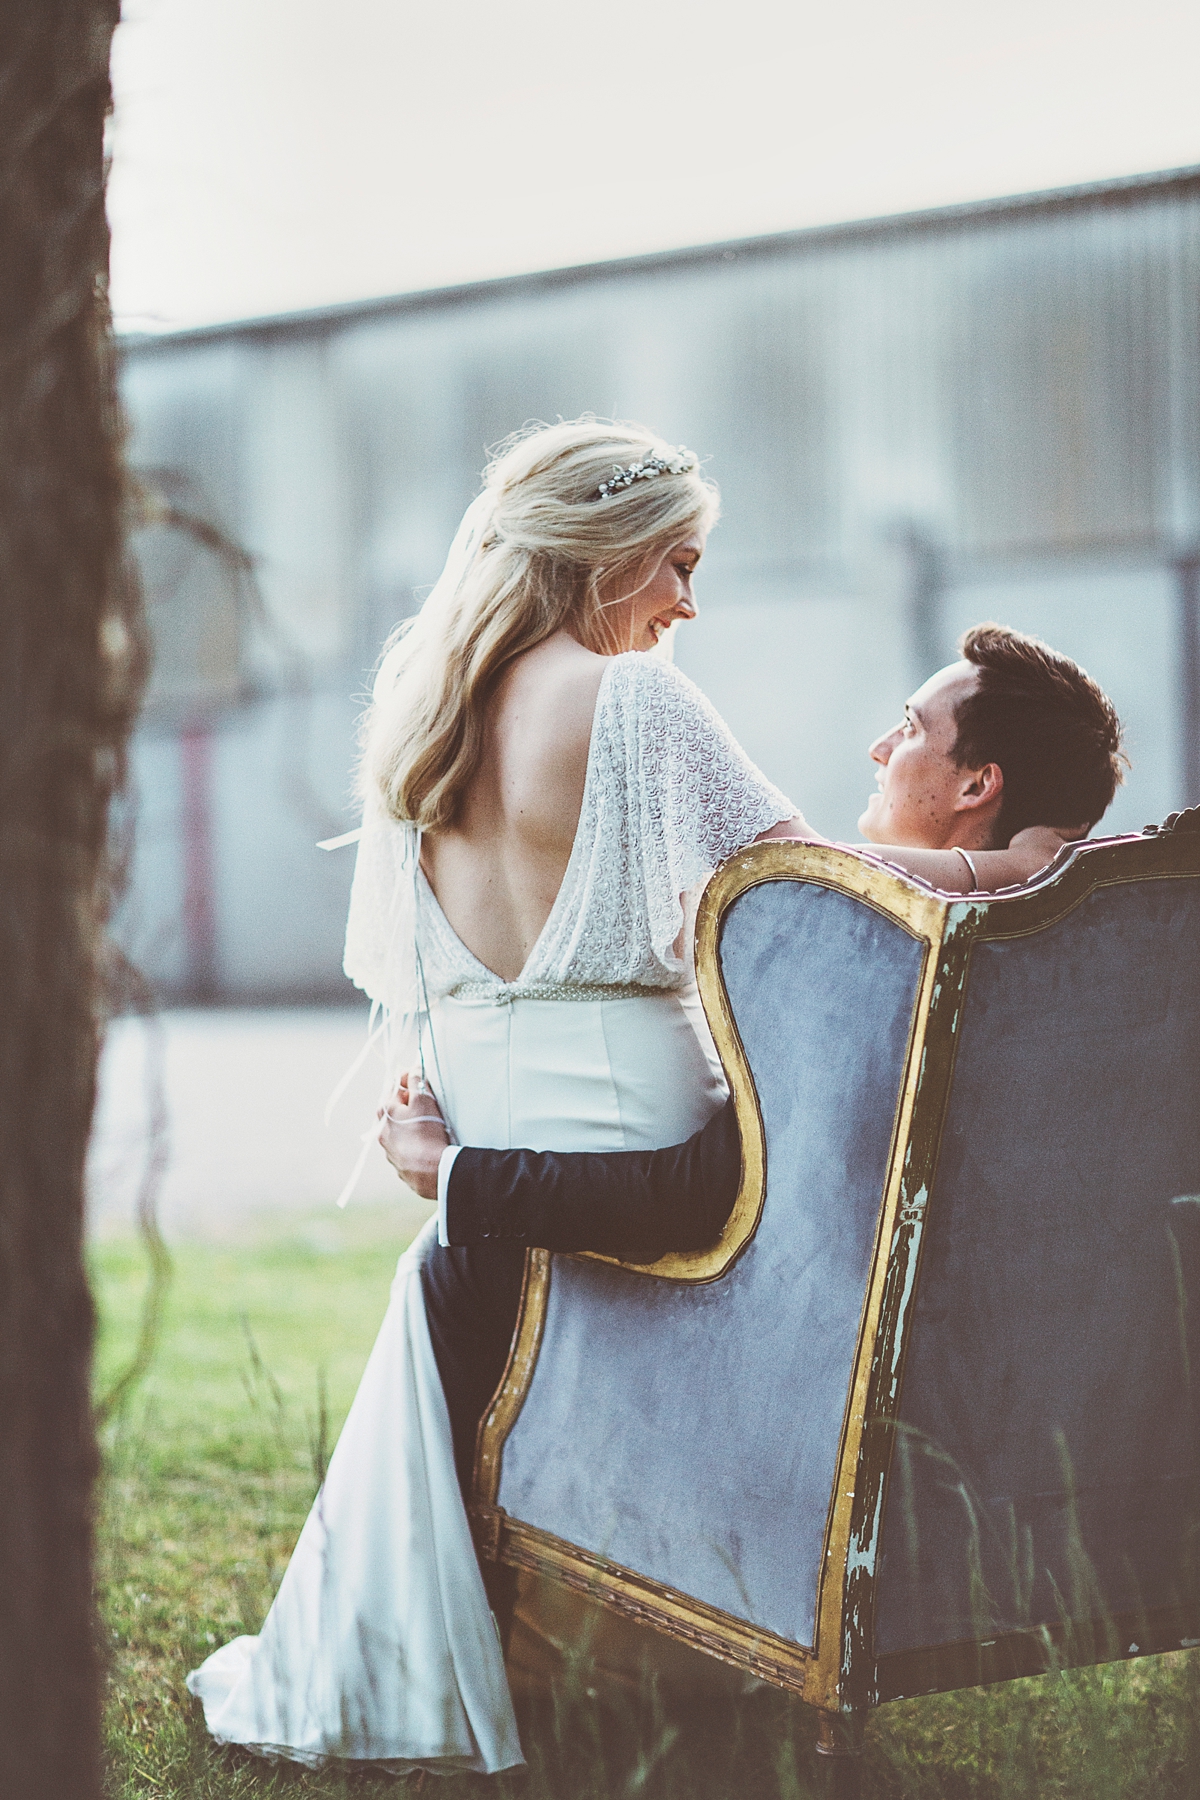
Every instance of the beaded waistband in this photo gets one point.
(503, 993)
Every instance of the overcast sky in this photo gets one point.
(277, 154)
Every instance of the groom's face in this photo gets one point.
(918, 781)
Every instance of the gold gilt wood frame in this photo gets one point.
(838, 1672)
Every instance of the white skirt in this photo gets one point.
(380, 1646)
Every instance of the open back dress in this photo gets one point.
(380, 1646)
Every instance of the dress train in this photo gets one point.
(380, 1639)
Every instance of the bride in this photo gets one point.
(543, 790)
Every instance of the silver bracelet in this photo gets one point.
(974, 889)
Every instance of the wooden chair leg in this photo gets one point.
(839, 1746)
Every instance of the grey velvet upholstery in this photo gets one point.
(690, 1432)
(1046, 1406)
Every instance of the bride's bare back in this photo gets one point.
(497, 873)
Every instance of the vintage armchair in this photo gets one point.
(923, 1417)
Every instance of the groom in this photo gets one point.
(1012, 737)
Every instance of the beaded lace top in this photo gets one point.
(669, 793)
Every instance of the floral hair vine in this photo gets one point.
(682, 463)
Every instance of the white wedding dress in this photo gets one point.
(380, 1646)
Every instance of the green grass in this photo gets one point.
(213, 1463)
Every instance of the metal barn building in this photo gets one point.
(917, 423)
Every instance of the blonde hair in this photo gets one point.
(539, 545)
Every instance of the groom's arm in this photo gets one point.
(637, 1204)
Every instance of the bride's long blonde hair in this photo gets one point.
(533, 554)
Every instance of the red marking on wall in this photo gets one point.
(199, 916)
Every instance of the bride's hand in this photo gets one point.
(1040, 844)
(413, 1134)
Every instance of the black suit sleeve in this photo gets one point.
(637, 1204)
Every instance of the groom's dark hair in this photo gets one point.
(1051, 728)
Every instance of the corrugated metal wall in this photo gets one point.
(992, 412)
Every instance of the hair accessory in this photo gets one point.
(970, 864)
(682, 463)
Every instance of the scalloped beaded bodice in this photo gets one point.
(668, 795)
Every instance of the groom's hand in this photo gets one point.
(413, 1134)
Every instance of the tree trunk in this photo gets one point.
(70, 658)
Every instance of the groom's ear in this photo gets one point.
(980, 788)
